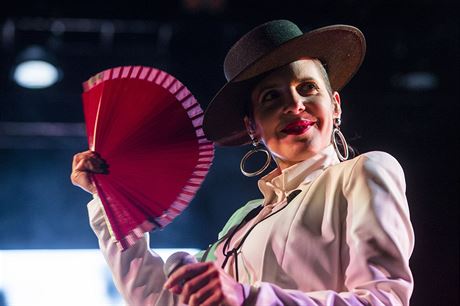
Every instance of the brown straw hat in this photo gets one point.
(340, 48)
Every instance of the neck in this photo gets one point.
(285, 163)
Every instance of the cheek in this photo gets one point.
(266, 126)
(327, 125)
(267, 132)
(326, 119)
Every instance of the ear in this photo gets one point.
(337, 109)
(250, 125)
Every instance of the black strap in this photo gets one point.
(292, 195)
(254, 212)
(234, 252)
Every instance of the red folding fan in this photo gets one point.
(147, 126)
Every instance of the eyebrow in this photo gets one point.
(307, 79)
(258, 89)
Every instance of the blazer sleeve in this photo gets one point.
(379, 234)
(137, 272)
(378, 240)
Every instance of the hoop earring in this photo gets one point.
(257, 148)
(337, 133)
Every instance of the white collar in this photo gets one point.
(276, 185)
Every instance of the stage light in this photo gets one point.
(35, 69)
(416, 81)
(35, 74)
(80, 274)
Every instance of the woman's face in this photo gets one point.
(293, 112)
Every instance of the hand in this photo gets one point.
(83, 166)
(205, 283)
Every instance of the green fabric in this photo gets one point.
(199, 255)
(234, 220)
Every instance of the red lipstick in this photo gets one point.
(297, 127)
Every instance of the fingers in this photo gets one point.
(84, 164)
(90, 159)
(200, 286)
(205, 284)
(210, 294)
(79, 156)
(185, 272)
(91, 164)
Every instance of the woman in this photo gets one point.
(326, 232)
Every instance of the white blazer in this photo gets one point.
(345, 239)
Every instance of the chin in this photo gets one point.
(303, 156)
(295, 150)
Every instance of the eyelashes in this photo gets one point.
(307, 88)
(304, 89)
(269, 95)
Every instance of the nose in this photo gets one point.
(294, 102)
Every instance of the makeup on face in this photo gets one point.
(297, 127)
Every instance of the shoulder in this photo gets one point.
(370, 162)
(373, 161)
(375, 166)
(377, 159)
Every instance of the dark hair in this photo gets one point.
(324, 74)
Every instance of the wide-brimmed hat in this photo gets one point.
(340, 48)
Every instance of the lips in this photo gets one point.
(297, 127)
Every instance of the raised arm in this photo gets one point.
(137, 272)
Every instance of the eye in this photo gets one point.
(268, 96)
(307, 88)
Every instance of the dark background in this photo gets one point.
(384, 108)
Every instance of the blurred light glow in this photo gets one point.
(36, 74)
(60, 277)
(417, 81)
